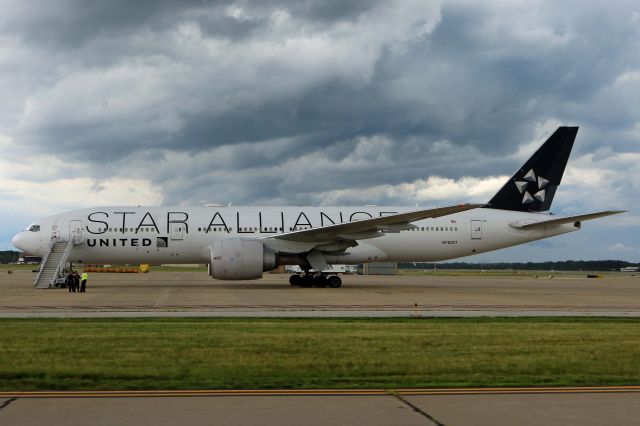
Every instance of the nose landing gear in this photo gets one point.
(315, 280)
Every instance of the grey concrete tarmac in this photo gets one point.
(504, 409)
(238, 411)
(195, 294)
(530, 410)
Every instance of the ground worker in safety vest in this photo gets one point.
(83, 282)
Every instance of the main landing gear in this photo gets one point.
(311, 280)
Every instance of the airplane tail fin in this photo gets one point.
(532, 188)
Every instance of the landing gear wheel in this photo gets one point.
(306, 281)
(295, 279)
(334, 281)
(320, 281)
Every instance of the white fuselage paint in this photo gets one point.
(138, 234)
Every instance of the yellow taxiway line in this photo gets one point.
(316, 392)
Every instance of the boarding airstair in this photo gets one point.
(53, 263)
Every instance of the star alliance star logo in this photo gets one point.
(525, 188)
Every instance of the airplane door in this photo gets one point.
(55, 232)
(75, 231)
(476, 229)
(177, 231)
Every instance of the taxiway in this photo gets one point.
(195, 294)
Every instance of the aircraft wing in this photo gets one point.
(367, 228)
(568, 219)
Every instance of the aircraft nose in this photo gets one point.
(17, 241)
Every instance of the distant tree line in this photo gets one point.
(9, 256)
(566, 265)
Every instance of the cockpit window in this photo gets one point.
(34, 228)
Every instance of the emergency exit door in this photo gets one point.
(476, 229)
(75, 231)
(177, 231)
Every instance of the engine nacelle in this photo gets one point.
(236, 259)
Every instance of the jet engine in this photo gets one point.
(236, 259)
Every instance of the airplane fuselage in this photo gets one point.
(157, 235)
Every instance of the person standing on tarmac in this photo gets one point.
(76, 282)
(69, 282)
(83, 285)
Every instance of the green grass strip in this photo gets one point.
(213, 353)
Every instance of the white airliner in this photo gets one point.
(240, 243)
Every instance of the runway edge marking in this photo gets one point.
(317, 392)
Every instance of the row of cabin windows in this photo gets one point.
(125, 230)
(435, 228)
(255, 229)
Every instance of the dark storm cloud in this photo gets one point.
(68, 24)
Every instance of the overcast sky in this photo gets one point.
(319, 102)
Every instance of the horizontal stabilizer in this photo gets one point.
(568, 219)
